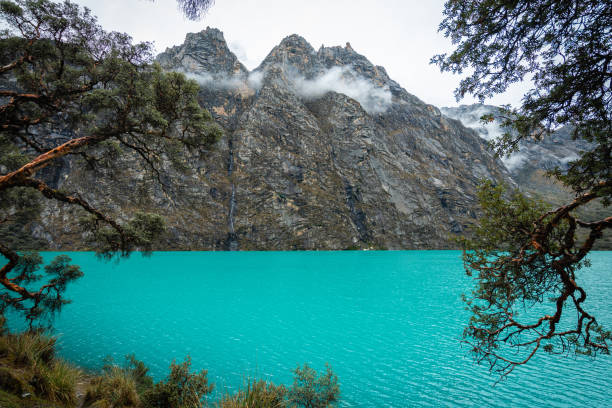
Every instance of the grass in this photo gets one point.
(57, 382)
(28, 367)
(29, 349)
(117, 388)
(8, 400)
(257, 394)
(32, 377)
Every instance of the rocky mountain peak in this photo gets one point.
(296, 43)
(321, 150)
(205, 51)
(293, 51)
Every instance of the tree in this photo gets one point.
(310, 390)
(524, 255)
(68, 88)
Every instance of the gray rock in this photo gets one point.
(322, 150)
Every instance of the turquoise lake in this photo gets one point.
(389, 323)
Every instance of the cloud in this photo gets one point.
(515, 161)
(223, 81)
(374, 99)
(471, 119)
(241, 53)
(489, 131)
(255, 79)
(238, 50)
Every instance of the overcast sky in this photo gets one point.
(400, 35)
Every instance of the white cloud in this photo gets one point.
(238, 51)
(223, 81)
(374, 99)
(258, 26)
(255, 79)
(489, 131)
(515, 161)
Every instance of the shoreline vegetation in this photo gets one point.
(32, 376)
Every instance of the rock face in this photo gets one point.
(322, 150)
(556, 150)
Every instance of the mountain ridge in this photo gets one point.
(322, 150)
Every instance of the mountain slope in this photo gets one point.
(534, 159)
(322, 150)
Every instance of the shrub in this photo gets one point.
(28, 365)
(258, 394)
(14, 381)
(181, 389)
(56, 382)
(29, 349)
(312, 391)
(115, 389)
(119, 386)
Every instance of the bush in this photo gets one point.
(28, 350)
(312, 391)
(56, 382)
(119, 386)
(181, 389)
(28, 365)
(258, 394)
(116, 389)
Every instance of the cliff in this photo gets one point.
(322, 150)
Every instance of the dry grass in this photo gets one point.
(257, 394)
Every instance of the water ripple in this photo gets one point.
(389, 323)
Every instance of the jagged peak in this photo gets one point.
(208, 35)
(296, 42)
(205, 50)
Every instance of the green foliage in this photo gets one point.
(257, 394)
(55, 277)
(57, 382)
(28, 349)
(116, 388)
(310, 390)
(141, 232)
(181, 389)
(564, 47)
(119, 386)
(523, 254)
(28, 365)
(69, 88)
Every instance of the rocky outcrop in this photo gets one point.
(553, 151)
(322, 150)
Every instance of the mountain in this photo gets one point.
(529, 165)
(322, 150)
(556, 150)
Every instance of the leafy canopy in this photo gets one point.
(524, 255)
(69, 89)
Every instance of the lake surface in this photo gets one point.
(389, 323)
